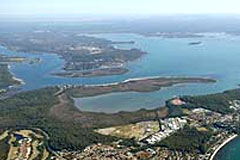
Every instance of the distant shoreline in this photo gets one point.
(222, 145)
(18, 80)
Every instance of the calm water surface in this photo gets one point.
(230, 152)
(217, 57)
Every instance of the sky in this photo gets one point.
(111, 7)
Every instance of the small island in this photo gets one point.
(35, 61)
(195, 43)
(123, 42)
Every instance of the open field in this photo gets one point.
(137, 131)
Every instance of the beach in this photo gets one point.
(19, 80)
(222, 145)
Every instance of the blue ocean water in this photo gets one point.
(230, 151)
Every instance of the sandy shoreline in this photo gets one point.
(142, 78)
(19, 80)
(15, 78)
(222, 145)
(156, 77)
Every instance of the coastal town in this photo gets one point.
(142, 140)
(148, 134)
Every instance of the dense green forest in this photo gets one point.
(33, 110)
(69, 128)
(30, 110)
(219, 102)
(188, 140)
(6, 77)
(4, 148)
(216, 102)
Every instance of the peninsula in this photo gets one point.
(6, 78)
(132, 85)
(84, 56)
(7, 59)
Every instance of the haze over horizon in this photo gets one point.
(116, 7)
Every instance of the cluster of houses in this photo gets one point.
(167, 127)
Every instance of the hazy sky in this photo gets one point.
(37, 7)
